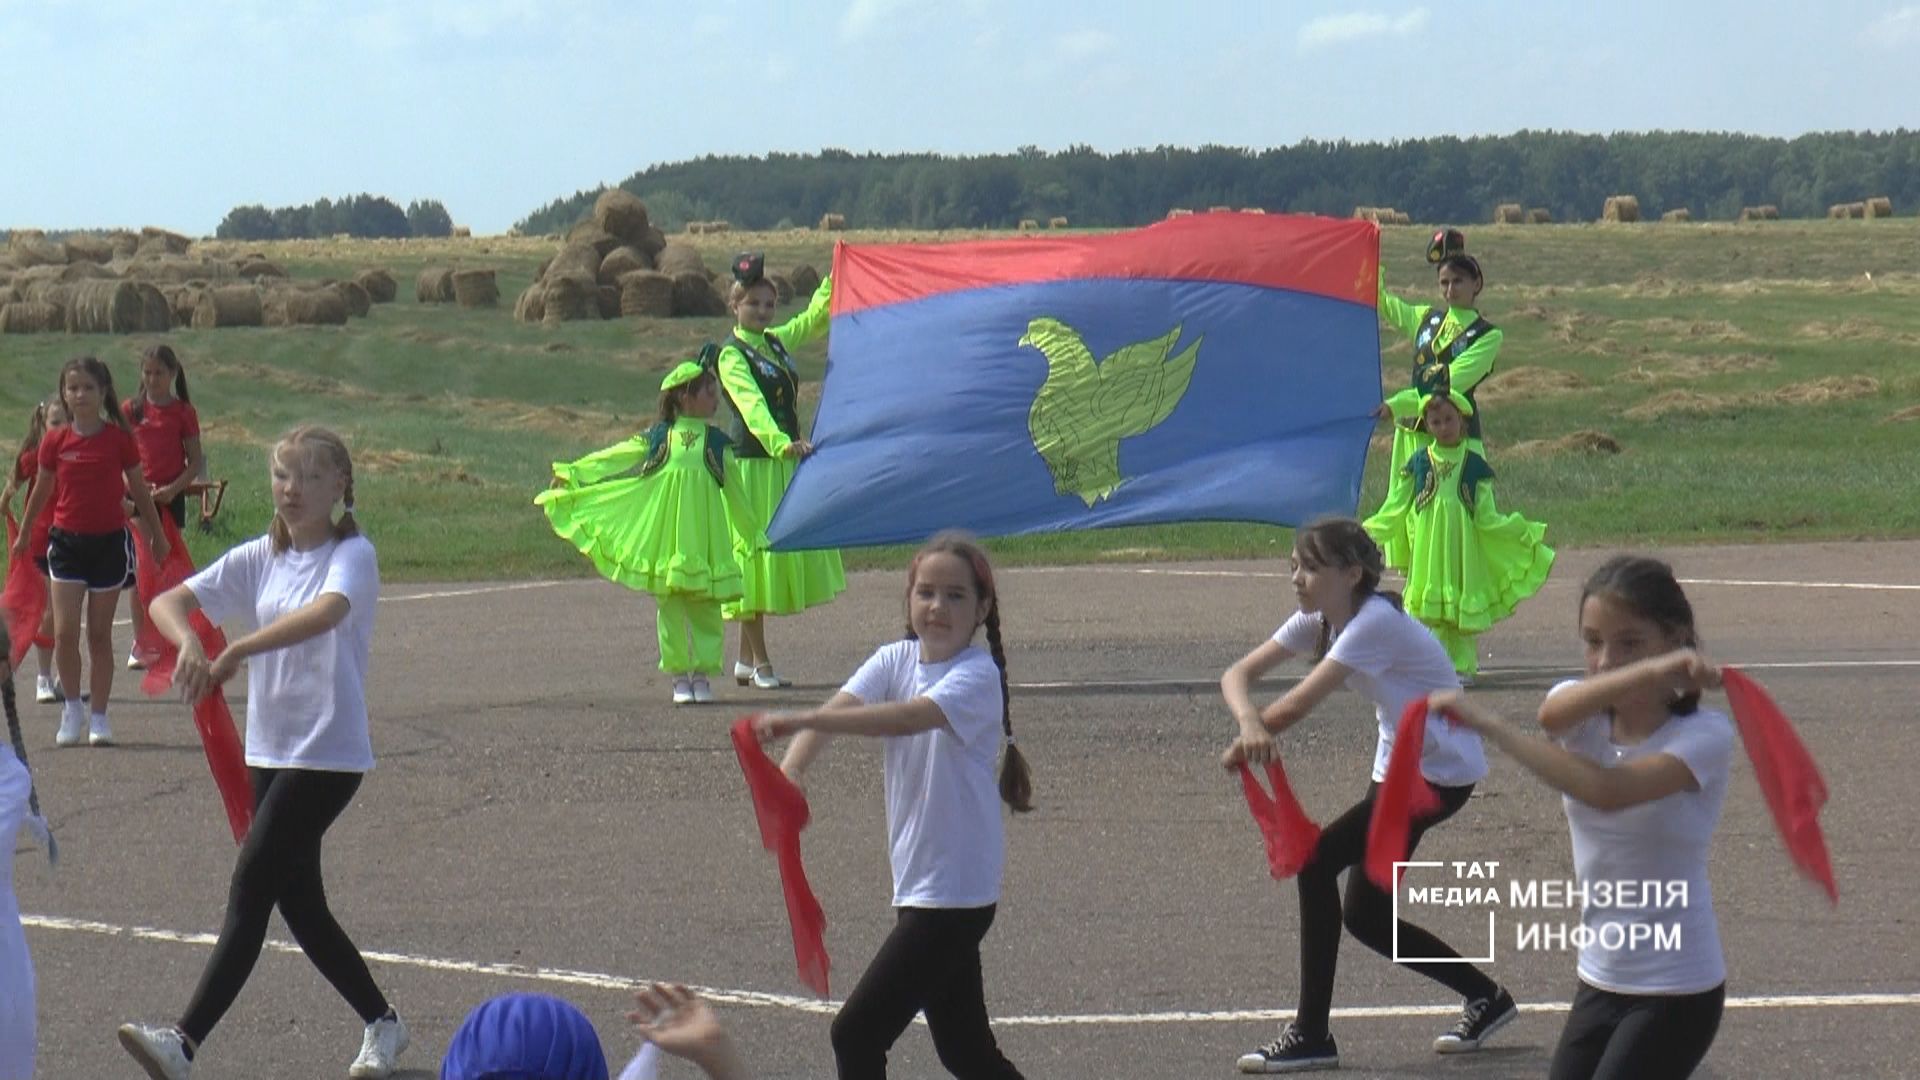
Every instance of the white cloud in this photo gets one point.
(1082, 44)
(1896, 29)
(1359, 26)
(865, 16)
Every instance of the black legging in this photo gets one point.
(1613, 1036)
(280, 865)
(1368, 914)
(930, 963)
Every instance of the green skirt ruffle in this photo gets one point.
(777, 582)
(665, 534)
(1461, 572)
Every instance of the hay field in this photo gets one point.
(1755, 378)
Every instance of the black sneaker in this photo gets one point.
(1293, 1051)
(1483, 1017)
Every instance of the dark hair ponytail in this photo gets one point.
(1648, 588)
(164, 354)
(1337, 543)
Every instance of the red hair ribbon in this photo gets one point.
(1290, 835)
(781, 809)
(1404, 795)
(24, 599)
(1789, 779)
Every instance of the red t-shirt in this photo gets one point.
(162, 434)
(88, 480)
(26, 471)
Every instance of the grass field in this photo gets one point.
(1758, 379)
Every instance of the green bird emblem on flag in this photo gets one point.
(1087, 406)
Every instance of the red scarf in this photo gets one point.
(781, 809)
(24, 599)
(1789, 778)
(211, 717)
(1290, 835)
(1404, 795)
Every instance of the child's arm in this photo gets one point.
(811, 322)
(149, 515)
(1255, 744)
(679, 1022)
(1399, 314)
(1236, 684)
(1642, 780)
(1466, 370)
(36, 499)
(1680, 670)
(601, 464)
(807, 745)
(196, 676)
(196, 460)
(852, 718)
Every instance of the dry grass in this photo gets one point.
(1521, 384)
(1815, 392)
(1584, 441)
(1911, 412)
(1660, 367)
(1717, 330)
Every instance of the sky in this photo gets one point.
(127, 113)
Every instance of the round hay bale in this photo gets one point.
(805, 280)
(540, 272)
(1028, 225)
(125, 244)
(1176, 212)
(581, 258)
(1879, 206)
(570, 297)
(1838, 211)
(1624, 209)
(679, 258)
(27, 248)
(75, 271)
(182, 301)
(359, 302)
(31, 317)
(832, 222)
(589, 233)
(163, 269)
(608, 297)
(621, 214)
(782, 288)
(621, 260)
(434, 285)
(652, 242)
(1677, 215)
(1769, 212)
(156, 314)
(694, 296)
(475, 288)
(104, 307)
(1056, 223)
(49, 291)
(1856, 209)
(462, 232)
(1398, 217)
(90, 248)
(254, 268)
(531, 305)
(695, 228)
(380, 286)
(647, 293)
(304, 307)
(155, 241)
(719, 226)
(1510, 213)
(229, 305)
(1539, 215)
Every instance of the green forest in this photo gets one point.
(1712, 175)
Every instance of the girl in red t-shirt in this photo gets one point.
(47, 416)
(85, 470)
(167, 430)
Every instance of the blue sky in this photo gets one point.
(125, 113)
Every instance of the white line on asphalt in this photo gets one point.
(1155, 571)
(566, 977)
(1485, 673)
(480, 590)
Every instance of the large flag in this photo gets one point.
(1214, 367)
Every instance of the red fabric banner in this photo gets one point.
(1404, 795)
(24, 599)
(1290, 835)
(1789, 778)
(781, 809)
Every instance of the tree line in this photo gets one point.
(1711, 174)
(358, 215)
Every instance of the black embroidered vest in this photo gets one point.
(1432, 369)
(779, 385)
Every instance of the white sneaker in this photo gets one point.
(682, 690)
(73, 728)
(134, 663)
(384, 1041)
(99, 732)
(702, 690)
(162, 1051)
(44, 693)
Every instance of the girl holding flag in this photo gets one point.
(167, 429)
(1358, 637)
(309, 586)
(26, 590)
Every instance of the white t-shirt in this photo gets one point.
(946, 839)
(307, 703)
(1396, 660)
(17, 1039)
(1665, 841)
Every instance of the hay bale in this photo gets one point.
(50, 291)
(1677, 215)
(1836, 212)
(621, 260)
(380, 286)
(570, 297)
(620, 213)
(462, 232)
(155, 241)
(782, 288)
(532, 304)
(229, 305)
(608, 297)
(359, 302)
(694, 296)
(1769, 212)
(78, 271)
(125, 244)
(587, 232)
(1028, 224)
(1623, 209)
(28, 248)
(434, 285)
(696, 228)
(105, 307)
(1510, 213)
(832, 222)
(304, 307)
(1856, 209)
(156, 314)
(1219, 209)
(31, 317)
(1539, 215)
(182, 301)
(646, 293)
(1056, 223)
(1178, 212)
(652, 242)
(1399, 217)
(581, 258)
(475, 288)
(174, 269)
(80, 247)
(255, 267)
(805, 280)
(719, 226)
(1879, 206)
(679, 257)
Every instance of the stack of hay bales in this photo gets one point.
(1539, 215)
(1878, 207)
(1623, 209)
(678, 258)
(595, 260)
(28, 248)
(82, 248)
(161, 242)
(475, 288)
(647, 293)
(832, 222)
(380, 286)
(1677, 215)
(568, 297)
(1759, 213)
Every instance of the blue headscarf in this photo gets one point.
(525, 1037)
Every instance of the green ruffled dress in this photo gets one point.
(652, 514)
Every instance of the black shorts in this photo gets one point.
(100, 561)
(178, 507)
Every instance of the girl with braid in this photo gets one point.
(941, 704)
(19, 805)
(308, 588)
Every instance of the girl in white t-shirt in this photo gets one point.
(940, 703)
(18, 807)
(1359, 638)
(1643, 771)
(308, 588)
